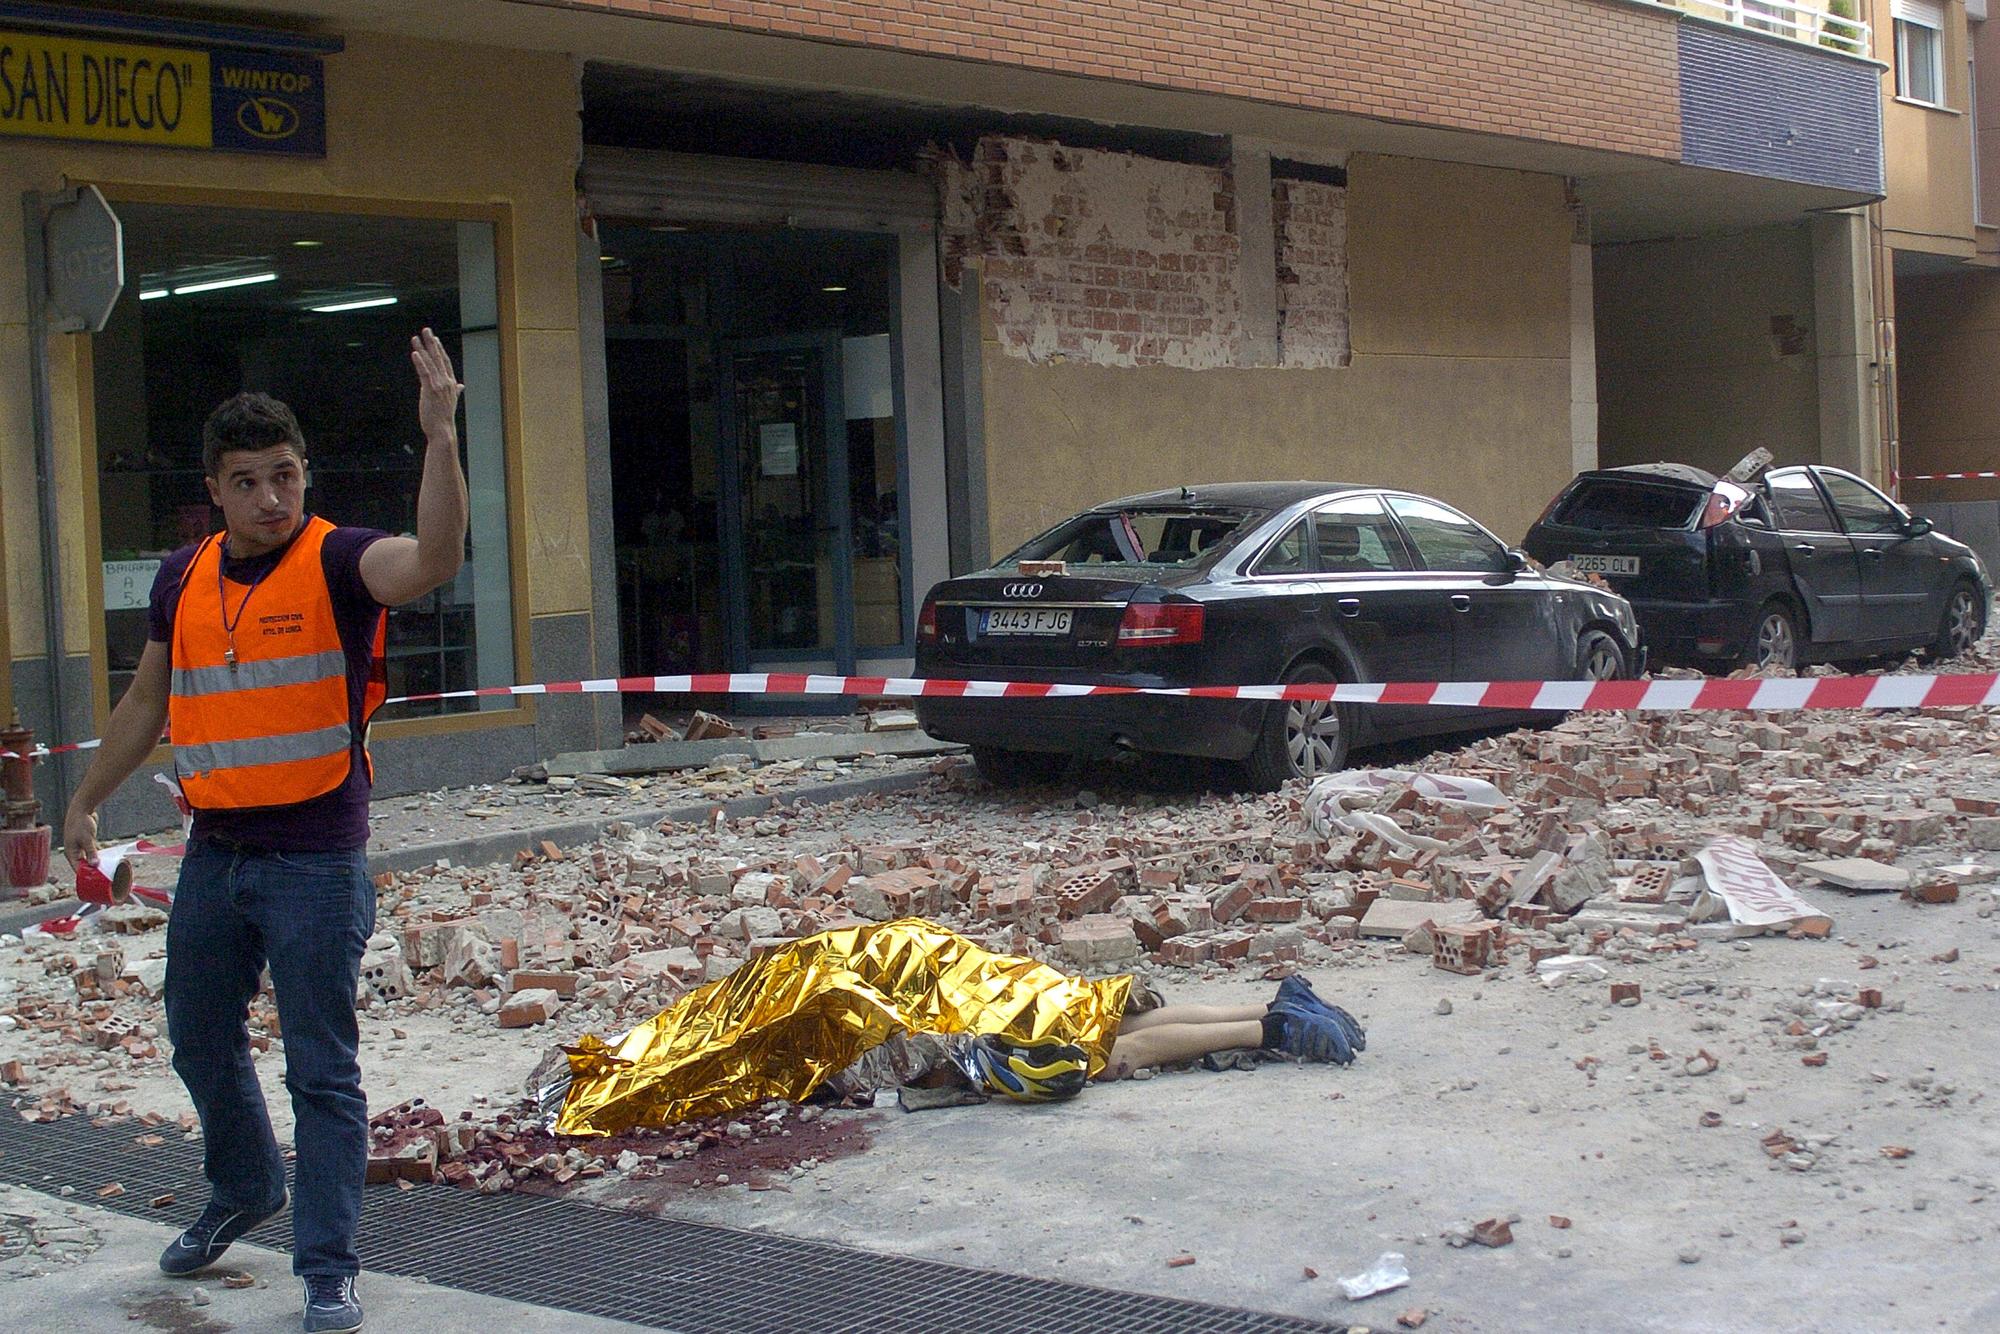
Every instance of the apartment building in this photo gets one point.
(773, 315)
(1937, 261)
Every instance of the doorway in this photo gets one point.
(758, 449)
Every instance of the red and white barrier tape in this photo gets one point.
(1943, 476)
(1968, 690)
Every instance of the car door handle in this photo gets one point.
(1804, 548)
(1461, 602)
(1350, 606)
(1873, 553)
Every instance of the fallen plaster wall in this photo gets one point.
(1107, 258)
(1310, 218)
(1445, 289)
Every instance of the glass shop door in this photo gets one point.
(787, 521)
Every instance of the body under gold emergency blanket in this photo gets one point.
(790, 1017)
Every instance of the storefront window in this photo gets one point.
(316, 309)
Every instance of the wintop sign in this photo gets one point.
(81, 88)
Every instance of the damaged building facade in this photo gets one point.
(772, 317)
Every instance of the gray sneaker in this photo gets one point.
(203, 1244)
(331, 1306)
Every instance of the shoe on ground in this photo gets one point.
(1296, 992)
(331, 1306)
(203, 1244)
(1310, 1035)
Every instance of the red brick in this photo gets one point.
(530, 979)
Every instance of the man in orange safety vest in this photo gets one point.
(265, 655)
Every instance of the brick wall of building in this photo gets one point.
(1108, 258)
(1310, 219)
(1592, 72)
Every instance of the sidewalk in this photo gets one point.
(66, 1266)
(488, 823)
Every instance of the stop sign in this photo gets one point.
(85, 248)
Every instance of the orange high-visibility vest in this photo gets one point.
(272, 727)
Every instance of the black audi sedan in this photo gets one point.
(1250, 584)
(1801, 564)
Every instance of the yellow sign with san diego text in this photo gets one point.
(111, 92)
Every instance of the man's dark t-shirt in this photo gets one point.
(338, 819)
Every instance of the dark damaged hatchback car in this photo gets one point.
(1802, 564)
(1251, 584)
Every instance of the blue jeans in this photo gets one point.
(309, 914)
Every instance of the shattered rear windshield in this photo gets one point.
(1173, 536)
(1605, 502)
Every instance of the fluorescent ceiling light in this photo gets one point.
(303, 244)
(217, 284)
(363, 304)
(835, 287)
(153, 293)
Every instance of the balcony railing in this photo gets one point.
(1811, 24)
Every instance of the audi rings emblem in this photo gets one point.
(1021, 591)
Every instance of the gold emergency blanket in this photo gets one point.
(790, 1017)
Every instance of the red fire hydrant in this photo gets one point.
(24, 842)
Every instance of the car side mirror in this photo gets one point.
(1517, 564)
(1917, 525)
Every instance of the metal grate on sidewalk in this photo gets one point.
(660, 1272)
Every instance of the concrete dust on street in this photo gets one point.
(1589, 1099)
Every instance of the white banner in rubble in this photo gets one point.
(1749, 889)
(1342, 803)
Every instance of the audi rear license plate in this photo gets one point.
(1024, 621)
(1606, 564)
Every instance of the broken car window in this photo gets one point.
(1607, 503)
(1138, 537)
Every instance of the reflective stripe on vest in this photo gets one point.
(263, 718)
(281, 749)
(302, 670)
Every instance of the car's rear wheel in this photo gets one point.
(1598, 656)
(1301, 738)
(1964, 622)
(1775, 641)
(1017, 768)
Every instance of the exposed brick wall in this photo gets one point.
(1598, 73)
(1118, 260)
(1107, 258)
(1311, 223)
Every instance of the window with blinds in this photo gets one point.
(1919, 50)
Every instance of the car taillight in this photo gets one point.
(1148, 624)
(927, 622)
(1718, 510)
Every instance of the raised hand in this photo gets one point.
(437, 387)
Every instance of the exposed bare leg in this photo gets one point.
(1171, 1042)
(1188, 1014)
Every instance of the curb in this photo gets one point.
(498, 847)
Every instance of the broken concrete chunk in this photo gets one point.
(1392, 919)
(1858, 873)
